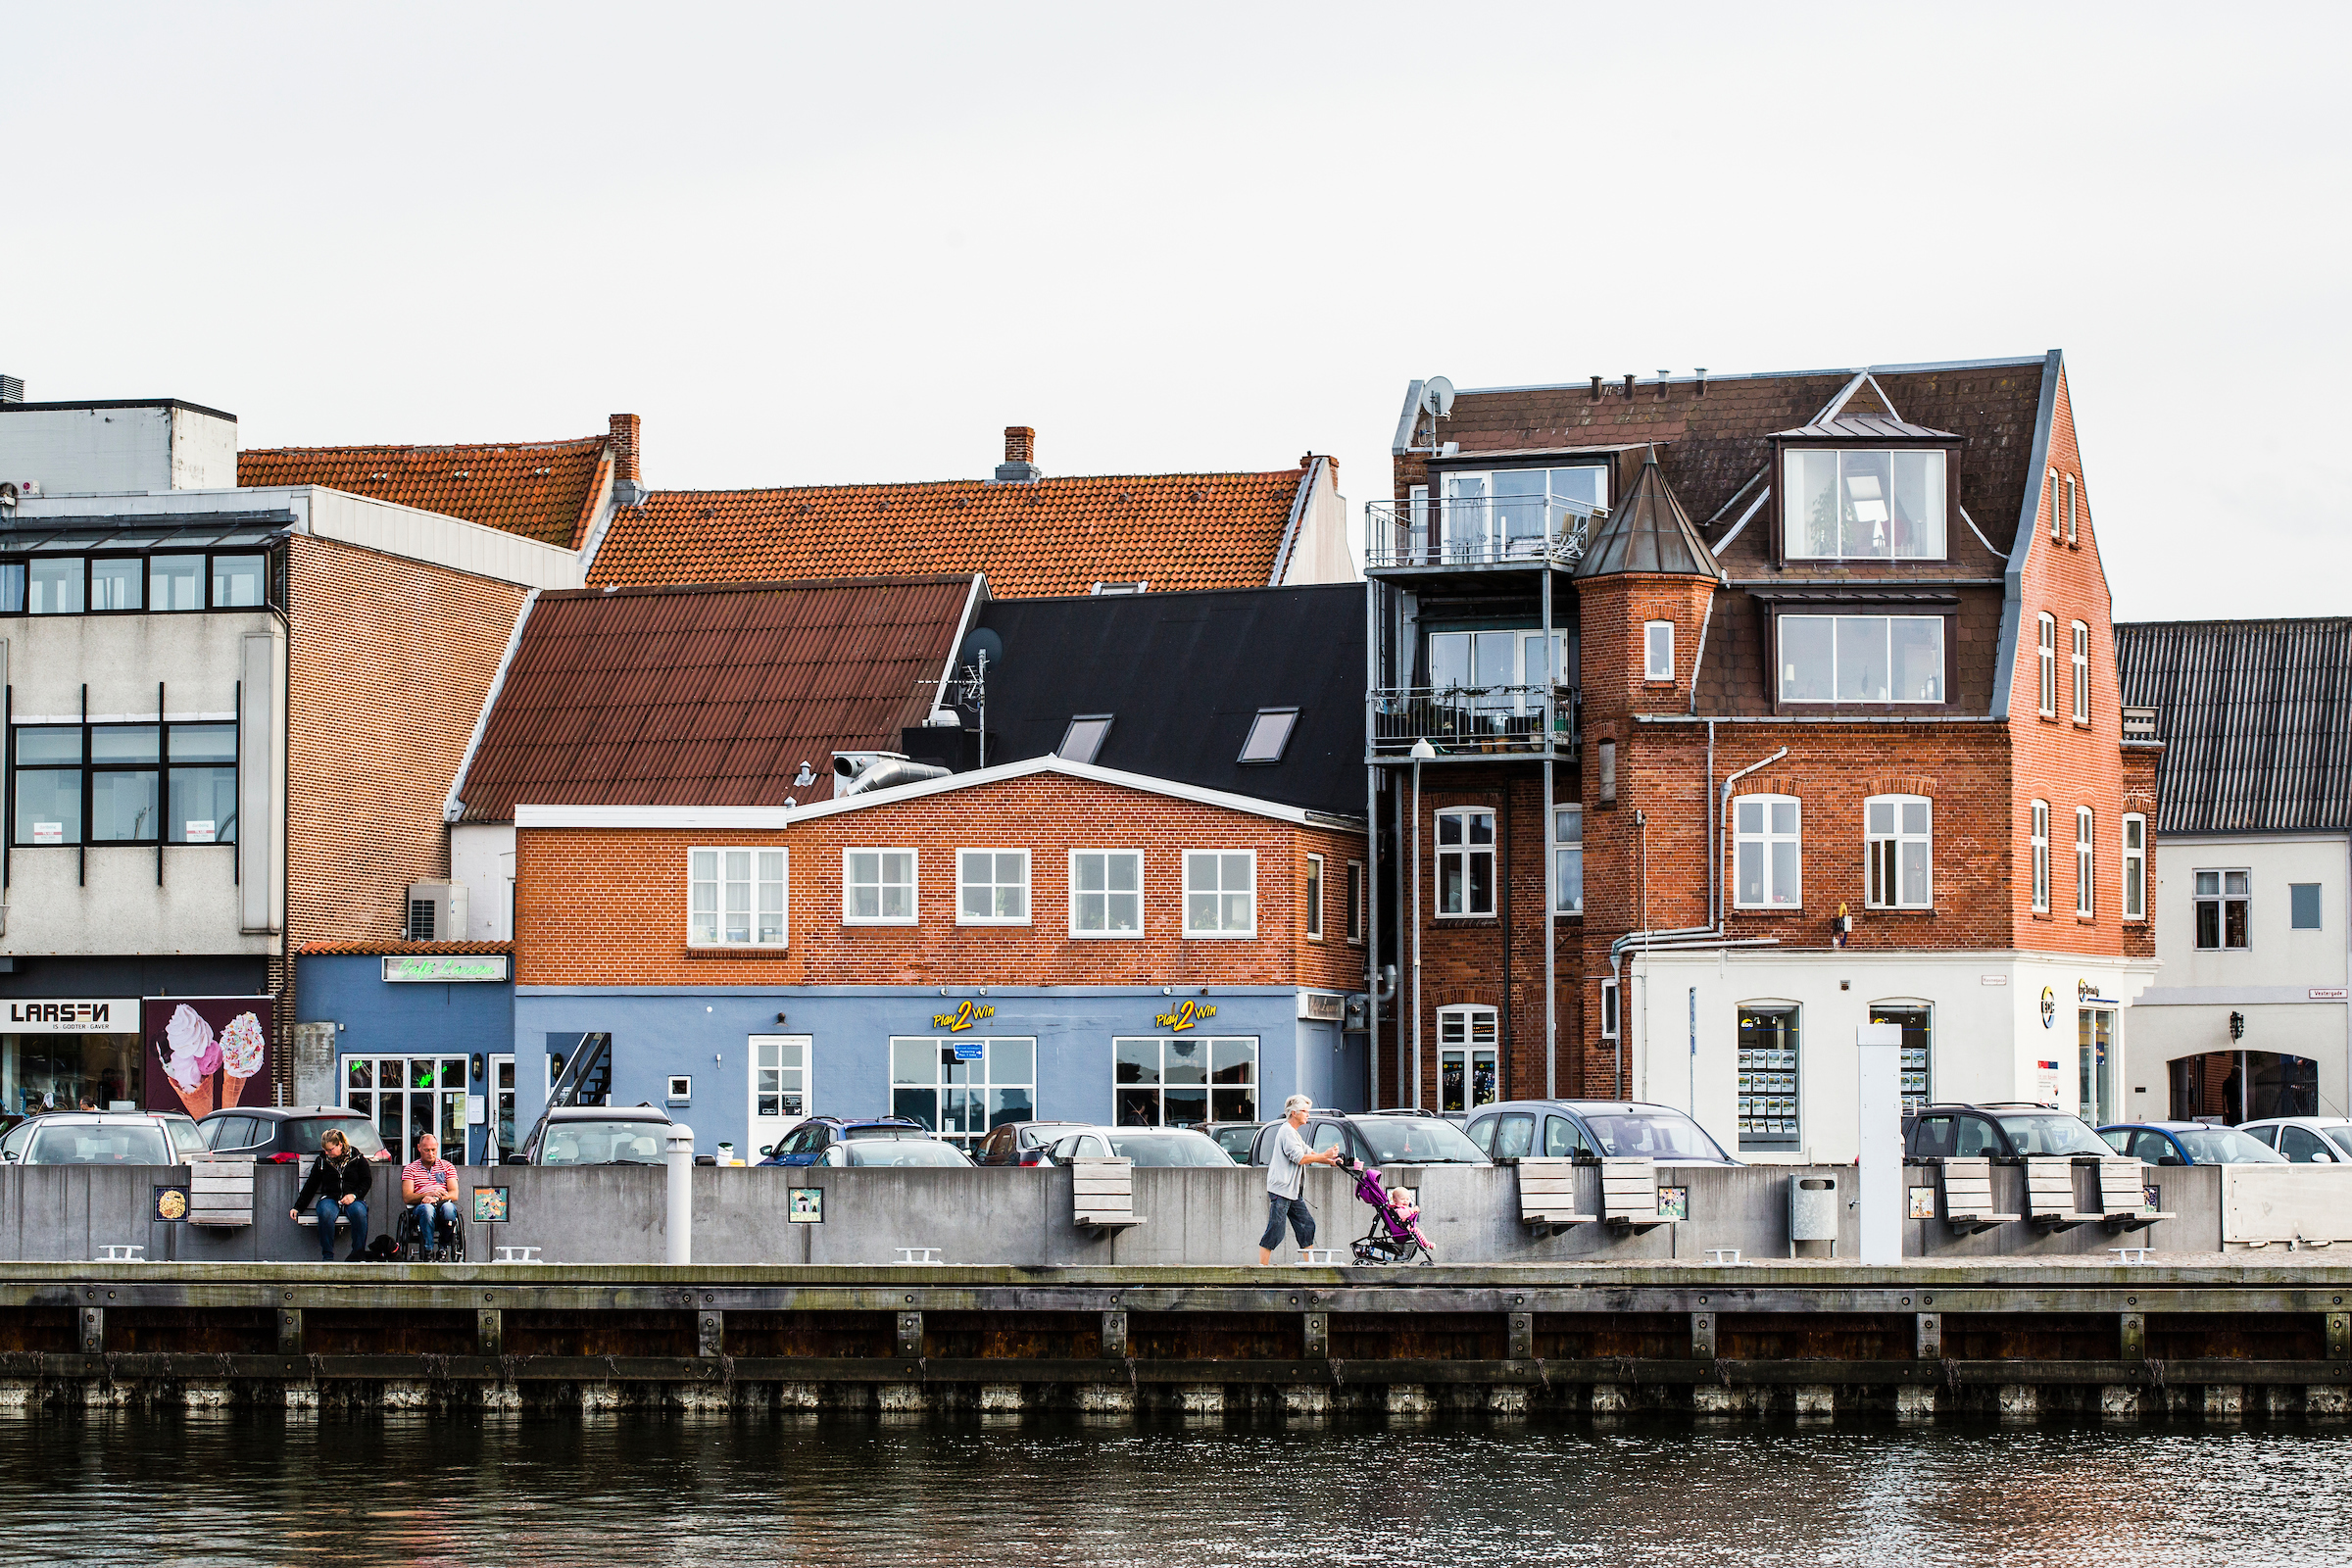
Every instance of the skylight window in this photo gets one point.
(1269, 734)
(1084, 738)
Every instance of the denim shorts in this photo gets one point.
(1294, 1209)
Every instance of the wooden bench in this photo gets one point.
(220, 1190)
(1103, 1195)
(2050, 1194)
(2123, 1194)
(1629, 1195)
(1967, 1205)
(1547, 1196)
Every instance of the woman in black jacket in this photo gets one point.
(337, 1185)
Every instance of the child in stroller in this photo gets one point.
(1395, 1235)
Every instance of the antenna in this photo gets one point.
(982, 650)
(1437, 401)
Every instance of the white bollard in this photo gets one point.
(678, 1154)
(1879, 1101)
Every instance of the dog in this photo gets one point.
(384, 1249)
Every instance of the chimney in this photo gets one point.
(1702, 380)
(1597, 389)
(624, 446)
(1629, 386)
(1020, 457)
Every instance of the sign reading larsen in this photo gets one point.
(74, 1015)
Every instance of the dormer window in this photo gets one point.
(1863, 505)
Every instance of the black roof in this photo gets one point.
(1184, 675)
(2255, 717)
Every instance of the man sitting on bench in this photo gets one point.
(428, 1184)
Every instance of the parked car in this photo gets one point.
(112, 1137)
(1146, 1146)
(283, 1135)
(1997, 1130)
(1380, 1138)
(807, 1144)
(1021, 1143)
(1592, 1129)
(12, 1141)
(1234, 1136)
(869, 1153)
(2304, 1140)
(2188, 1143)
(598, 1135)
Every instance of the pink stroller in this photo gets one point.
(1394, 1238)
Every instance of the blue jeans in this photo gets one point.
(425, 1219)
(1294, 1209)
(356, 1211)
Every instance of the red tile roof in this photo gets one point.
(544, 490)
(1053, 536)
(326, 950)
(708, 696)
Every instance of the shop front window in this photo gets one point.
(959, 1087)
(1469, 1073)
(409, 1097)
(1183, 1080)
(1769, 1114)
(40, 1072)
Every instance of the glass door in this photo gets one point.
(502, 1106)
(409, 1097)
(2094, 1030)
(779, 1088)
(1468, 518)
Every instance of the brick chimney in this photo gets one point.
(1020, 457)
(624, 446)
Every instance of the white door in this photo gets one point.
(779, 1088)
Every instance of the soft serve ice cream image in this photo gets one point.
(195, 1055)
(241, 1046)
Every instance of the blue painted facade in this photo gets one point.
(705, 1033)
(474, 1020)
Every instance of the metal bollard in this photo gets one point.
(678, 1154)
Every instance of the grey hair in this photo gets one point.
(1296, 1102)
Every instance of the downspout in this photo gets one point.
(1724, 815)
(1551, 856)
(1416, 1098)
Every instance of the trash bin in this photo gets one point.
(1813, 1213)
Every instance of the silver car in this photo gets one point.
(1146, 1146)
(112, 1137)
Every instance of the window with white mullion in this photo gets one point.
(2040, 833)
(1898, 829)
(1220, 892)
(2083, 859)
(1107, 893)
(1568, 860)
(991, 887)
(2080, 659)
(1465, 863)
(1861, 659)
(1860, 506)
(2224, 901)
(735, 897)
(2135, 866)
(1767, 852)
(878, 887)
(2045, 654)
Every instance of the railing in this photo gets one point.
(1475, 720)
(1483, 531)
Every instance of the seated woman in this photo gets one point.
(337, 1185)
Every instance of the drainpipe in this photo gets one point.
(1725, 818)
(1422, 752)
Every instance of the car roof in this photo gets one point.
(96, 1118)
(281, 1112)
(607, 1113)
(2298, 1121)
(2160, 1126)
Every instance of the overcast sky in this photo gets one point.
(819, 244)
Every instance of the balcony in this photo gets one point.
(1462, 722)
(1458, 532)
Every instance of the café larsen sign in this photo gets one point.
(73, 1015)
(445, 967)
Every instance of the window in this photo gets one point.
(1769, 1114)
(1107, 893)
(2135, 867)
(2070, 508)
(1356, 901)
(2303, 907)
(1083, 741)
(55, 587)
(1467, 1072)
(46, 584)
(116, 780)
(1657, 650)
(1861, 659)
(174, 582)
(1508, 512)
(1899, 846)
(2082, 672)
(2040, 831)
(991, 887)
(2223, 899)
(878, 887)
(1879, 506)
(1568, 860)
(1482, 661)
(2082, 860)
(1918, 1026)
(116, 582)
(958, 1097)
(201, 797)
(1268, 734)
(1121, 589)
(735, 898)
(1608, 1009)
(1314, 897)
(1220, 892)
(2045, 653)
(2052, 477)
(1465, 863)
(1766, 852)
(1183, 1080)
(2094, 1096)
(237, 580)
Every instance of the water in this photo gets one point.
(326, 1490)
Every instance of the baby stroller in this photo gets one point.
(1394, 1238)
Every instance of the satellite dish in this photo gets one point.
(978, 640)
(1436, 396)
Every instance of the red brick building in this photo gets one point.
(1748, 711)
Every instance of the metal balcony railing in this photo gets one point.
(1485, 531)
(1475, 720)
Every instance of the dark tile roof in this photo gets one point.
(2255, 717)
(327, 950)
(1184, 676)
(708, 696)
(1647, 530)
(1865, 427)
(543, 490)
(1053, 536)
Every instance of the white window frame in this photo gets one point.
(1314, 897)
(1355, 902)
(1467, 853)
(2053, 478)
(1248, 1091)
(1107, 893)
(961, 1077)
(2079, 656)
(1792, 537)
(914, 886)
(720, 883)
(1610, 1001)
(1028, 887)
(2071, 536)
(1562, 847)
(1219, 931)
(1764, 839)
(1469, 1030)
(2038, 830)
(1883, 855)
(2045, 654)
(2220, 898)
(2086, 824)
(1657, 650)
(1785, 668)
(2133, 898)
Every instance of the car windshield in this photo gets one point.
(124, 1144)
(906, 1151)
(1417, 1140)
(1169, 1148)
(303, 1134)
(1651, 1135)
(2226, 1145)
(887, 1130)
(2049, 1133)
(2340, 1137)
(603, 1143)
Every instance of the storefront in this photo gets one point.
(58, 1050)
(414, 1036)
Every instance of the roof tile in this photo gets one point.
(548, 490)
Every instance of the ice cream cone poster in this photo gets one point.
(207, 1054)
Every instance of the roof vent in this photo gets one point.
(12, 389)
(1020, 457)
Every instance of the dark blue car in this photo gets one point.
(806, 1145)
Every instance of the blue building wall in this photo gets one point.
(407, 1018)
(703, 1032)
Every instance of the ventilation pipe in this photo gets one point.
(858, 772)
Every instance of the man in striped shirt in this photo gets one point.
(428, 1184)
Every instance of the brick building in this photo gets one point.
(1713, 718)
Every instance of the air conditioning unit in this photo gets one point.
(436, 911)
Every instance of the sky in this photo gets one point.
(830, 244)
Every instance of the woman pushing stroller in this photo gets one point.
(1286, 1180)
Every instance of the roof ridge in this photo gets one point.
(568, 441)
(988, 484)
(761, 585)
(1774, 376)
